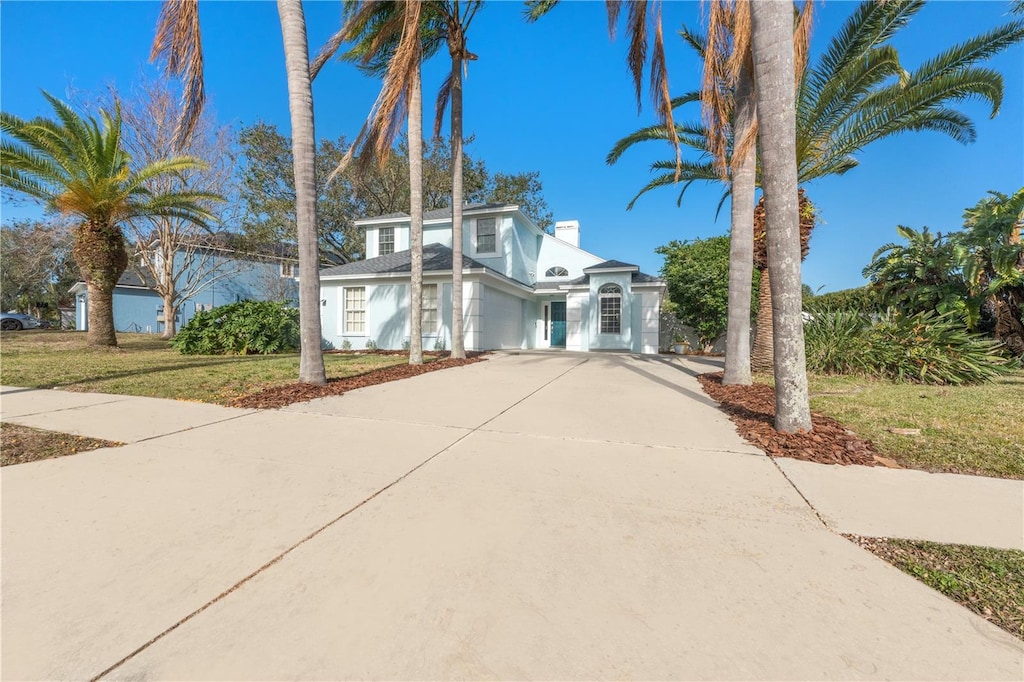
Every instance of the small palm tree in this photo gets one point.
(78, 168)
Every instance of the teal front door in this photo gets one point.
(558, 324)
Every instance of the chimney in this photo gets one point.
(568, 231)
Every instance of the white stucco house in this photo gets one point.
(523, 288)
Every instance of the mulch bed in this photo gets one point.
(752, 410)
(20, 444)
(280, 396)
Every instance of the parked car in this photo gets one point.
(15, 321)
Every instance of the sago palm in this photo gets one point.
(77, 167)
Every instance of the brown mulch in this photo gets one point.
(752, 409)
(20, 444)
(280, 396)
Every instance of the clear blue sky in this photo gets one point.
(553, 97)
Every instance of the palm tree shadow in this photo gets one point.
(235, 359)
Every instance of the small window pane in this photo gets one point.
(429, 321)
(386, 241)
(355, 310)
(610, 303)
(486, 236)
(557, 271)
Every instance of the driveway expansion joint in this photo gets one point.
(316, 532)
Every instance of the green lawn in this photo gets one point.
(968, 429)
(988, 581)
(145, 365)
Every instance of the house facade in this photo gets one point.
(523, 288)
(210, 275)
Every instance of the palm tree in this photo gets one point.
(388, 39)
(78, 167)
(855, 94)
(771, 40)
(456, 17)
(178, 42)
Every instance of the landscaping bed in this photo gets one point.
(280, 396)
(20, 444)
(989, 582)
(752, 410)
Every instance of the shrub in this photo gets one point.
(923, 348)
(346, 345)
(371, 345)
(859, 300)
(245, 328)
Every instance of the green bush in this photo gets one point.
(246, 328)
(859, 300)
(924, 348)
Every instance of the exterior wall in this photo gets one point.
(577, 310)
(502, 321)
(624, 339)
(517, 258)
(233, 280)
(554, 252)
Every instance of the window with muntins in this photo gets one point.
(385, 241)
(289, 269)
(610, 300)
(486, 235)
(429, 320)
(557, 271)
(355, 310)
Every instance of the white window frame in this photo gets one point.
(552, 271)
(289, 269)
(346, 330)
(380, 240)
(610, 292)
(497, 236)
(432, 327)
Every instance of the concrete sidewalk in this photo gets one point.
(527, 517)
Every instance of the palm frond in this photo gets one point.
(179, 44)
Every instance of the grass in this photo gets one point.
(964, 429)
(20, 444)
(988, 581)
(144, 365)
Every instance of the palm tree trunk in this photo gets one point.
(772, 45)
(416, 213)
(300, 104)
(458, 335)
(100, 316)
(100, 254)
(741, 241)
(762, 358)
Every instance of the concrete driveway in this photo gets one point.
(541, 516)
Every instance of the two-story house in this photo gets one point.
(523, 288)
(209, 271)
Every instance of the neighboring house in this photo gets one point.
(523, 288)
(214, 273)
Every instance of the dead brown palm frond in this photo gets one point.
(802, 40)
(326, 52)
(444, 95)
(613, 7)
(659, 90)
(636, 58)
(178, 41)
(717, 82)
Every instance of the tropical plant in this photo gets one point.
(455, 17)
(924, 347)
(244, 328)
(76, 165)
(179, 44)
(854, 94)
(921, 275)
(388, 38)
(991, 257)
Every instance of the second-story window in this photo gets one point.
(486, 235)
(385, 241)
(289, 269)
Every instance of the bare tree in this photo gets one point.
(178, 258)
